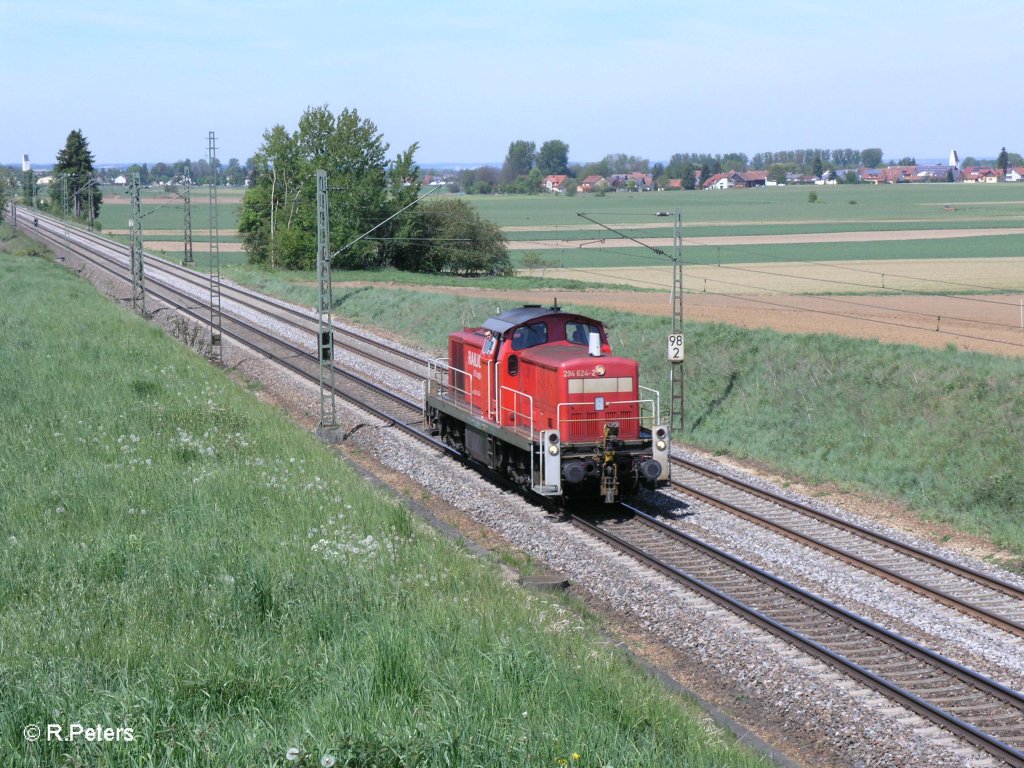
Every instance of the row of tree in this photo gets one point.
(525, 168)
(199, 171)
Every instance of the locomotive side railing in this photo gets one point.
(441, 383)
(519, 414)
(654, 395)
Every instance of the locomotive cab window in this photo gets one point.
(531, 335)
(579, 333)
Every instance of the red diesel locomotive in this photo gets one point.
(536, 394)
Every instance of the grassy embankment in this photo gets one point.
(178, 559)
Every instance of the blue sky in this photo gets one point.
(147, 81)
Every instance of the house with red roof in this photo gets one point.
(554, 182)
(592, 182)
(978, 175)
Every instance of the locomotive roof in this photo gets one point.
(513, 317)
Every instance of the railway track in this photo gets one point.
(977, 708)
(980, 710)
(394, 409)
(967, 590)
(304, 321)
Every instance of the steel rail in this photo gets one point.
(976, 735)
(892, 575)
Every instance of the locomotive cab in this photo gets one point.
(536, 394)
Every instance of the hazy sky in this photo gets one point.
(146, 81)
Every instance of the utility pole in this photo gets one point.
(187, 260)
(135, 227)
(323, 275)
(675, 340)
(28, 182)
(216, 350)
(67, 215)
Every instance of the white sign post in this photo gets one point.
(675, 348)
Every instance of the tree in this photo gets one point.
(76, 162)
(233, 174)
(277, 218)
(519, 160)
(871, 158)
(1003, 161)
(7, 186)
(454, 239)
(553, 157)
(777, 173)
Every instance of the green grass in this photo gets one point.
(178, 559)
(162, 210)
(899, 205)
(995, 246)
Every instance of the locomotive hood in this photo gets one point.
(573, 362)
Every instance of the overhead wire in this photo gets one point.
(741, 297)
(816, 279)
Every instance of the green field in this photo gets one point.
(766, 211)
(178, 559)
(162, 210)
(995, 246)
(739, 212)
(895, 206)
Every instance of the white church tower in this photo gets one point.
(954, 159)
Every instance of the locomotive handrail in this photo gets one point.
(436, 374)
(657, 402)
(435, 369)
(600, 417)
(521, 417)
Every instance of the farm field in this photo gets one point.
(851, 262)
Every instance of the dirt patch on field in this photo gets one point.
(986, 323)
(178, 233)
(198, 247)
(804, 238)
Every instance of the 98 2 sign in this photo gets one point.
(675, 347)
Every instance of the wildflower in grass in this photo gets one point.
(292, 754)
(327, 761)
(576, 755)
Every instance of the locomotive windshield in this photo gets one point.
(577, 332)
(530, 336)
